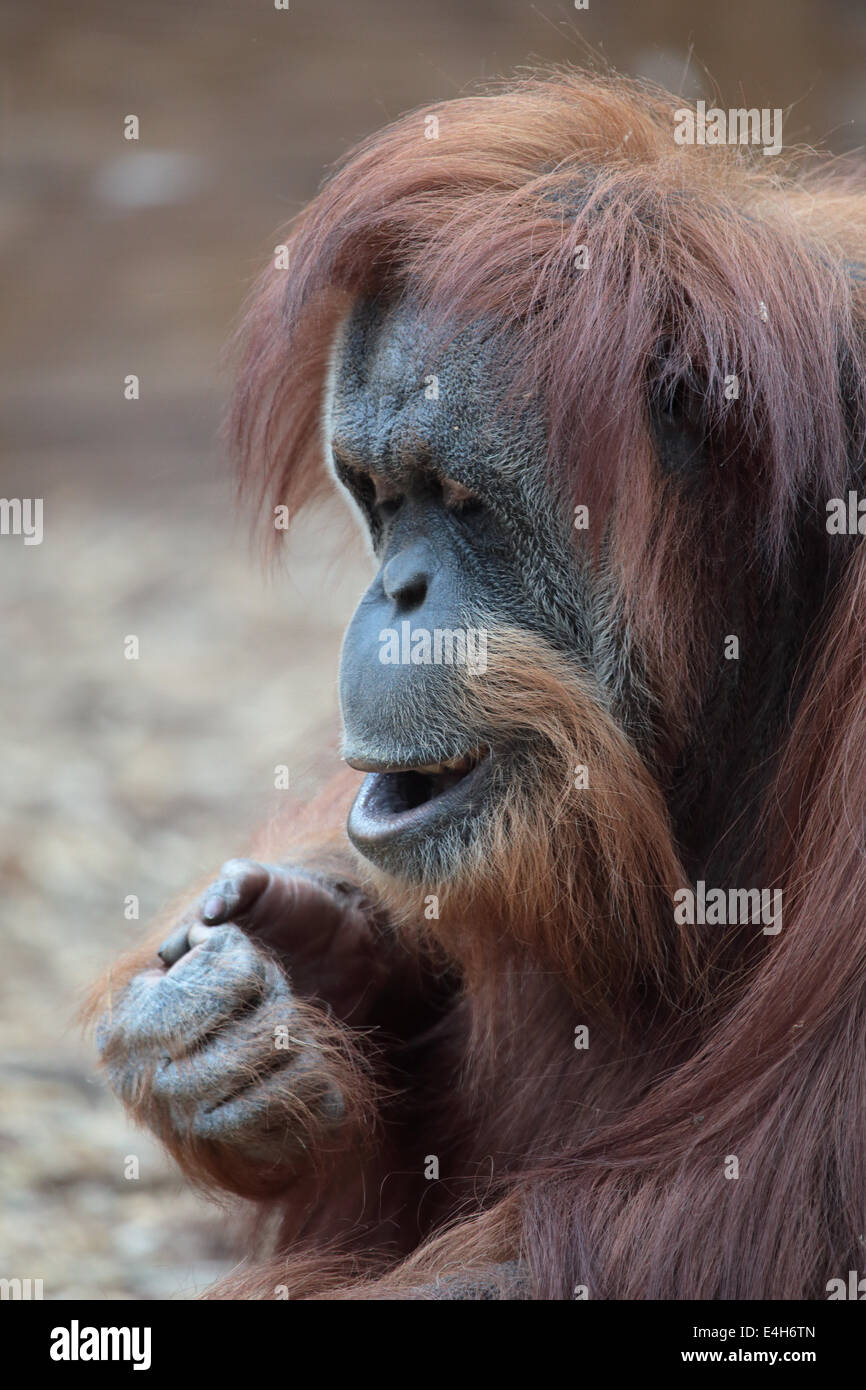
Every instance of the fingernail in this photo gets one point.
(214, 908)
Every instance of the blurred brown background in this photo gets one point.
(124, 777)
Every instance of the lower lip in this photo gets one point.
(371, 827)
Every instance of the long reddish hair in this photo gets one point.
(702, 263)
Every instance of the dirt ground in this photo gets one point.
(129, 777)
(135, 777)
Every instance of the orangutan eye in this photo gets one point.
(387, 498)
(389, 506)
(460, 499)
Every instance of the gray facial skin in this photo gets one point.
(504, 553)
(449, 475)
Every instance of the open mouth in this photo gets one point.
(398, 800)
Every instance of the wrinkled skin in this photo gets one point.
(193, 1037)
